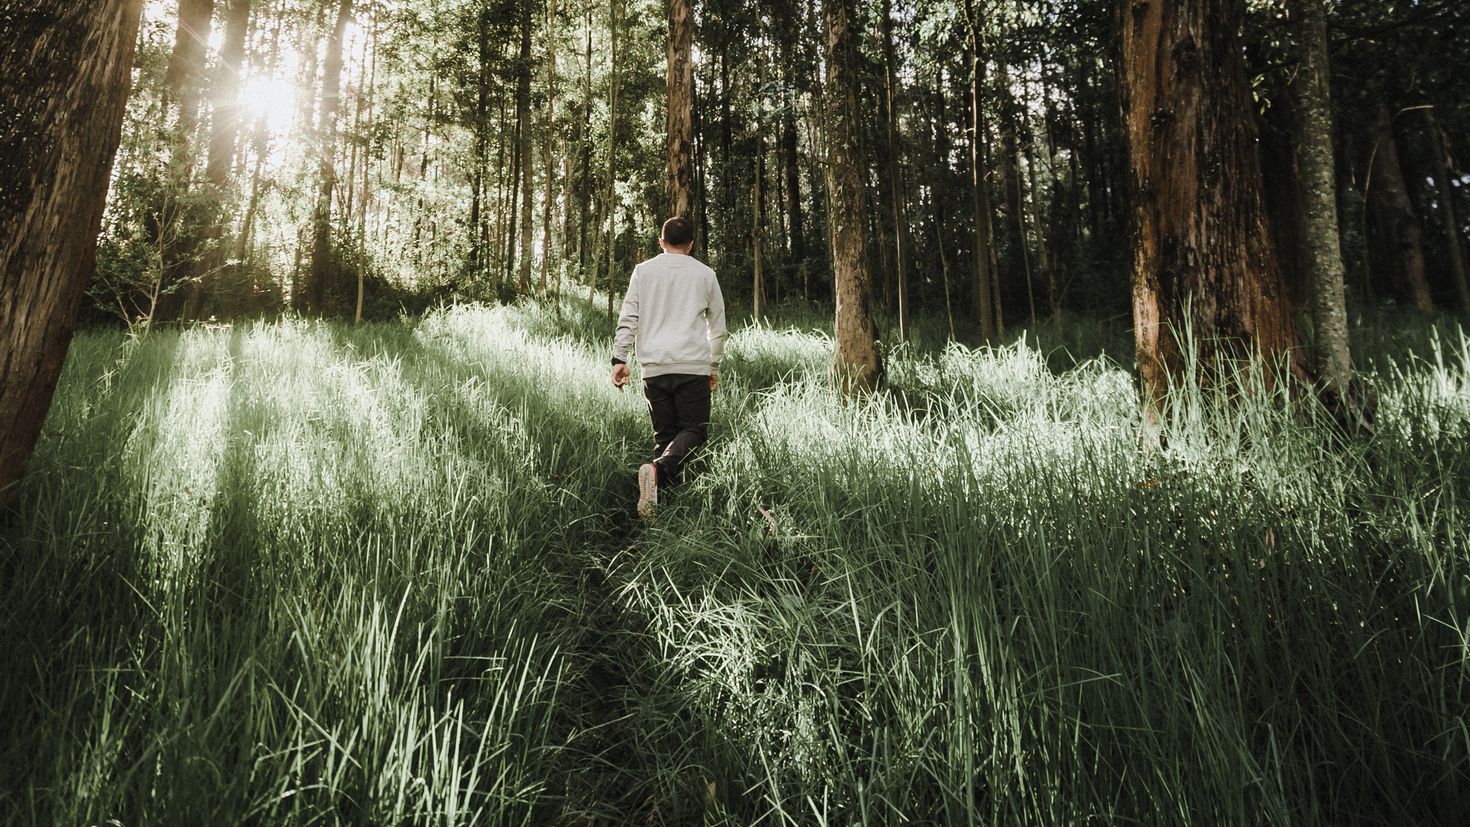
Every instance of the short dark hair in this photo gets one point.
(678, 231)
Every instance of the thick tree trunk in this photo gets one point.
(63, 87)
(1437, 152)
(680, 182)
(1400, 236)
(1203, 261)
(1316, 160)
(321, 248)
(528, 173)
(856, 361)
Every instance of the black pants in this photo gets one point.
(679, 404)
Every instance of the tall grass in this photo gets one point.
(301, 573)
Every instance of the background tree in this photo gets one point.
(1316, 159)
(680, 107)
(856, 359)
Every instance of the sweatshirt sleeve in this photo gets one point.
(715, 316)
(627, 322)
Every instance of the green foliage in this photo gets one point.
(294, 572)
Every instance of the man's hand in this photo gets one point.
(714, 379)
(620, 376)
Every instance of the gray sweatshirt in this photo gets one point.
(675, 311)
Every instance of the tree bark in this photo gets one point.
(984, 290)
(680, 182)
(548, 211)
(367, 154)
(528, 173)
(1203, 264)
(183, 93)
(897, 213)
(224, 135)
(321, 248)
(63, 89)
(1400, 236)
(1316, 160)
(1437, 152)
(856, 361)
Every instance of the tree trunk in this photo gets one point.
(528, 173)
(477, 264)
(362, 229)
(1437, 151)
(680, 182)
(897, 213)
(321, 249)
(63, 88)
(611, 237)
(1203, 262)
(796, 235)
(980, 192)
(1400, 237)
(856, 361)
(1316, 160)
(548, 213)
(184, 90)
(224, 134)
(941, 170)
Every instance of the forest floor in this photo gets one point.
(296, 572)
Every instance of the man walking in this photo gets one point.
(676, 313)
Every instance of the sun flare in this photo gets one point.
(270, 97)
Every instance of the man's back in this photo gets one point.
(676, 313)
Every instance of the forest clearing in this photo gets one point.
(734, 412)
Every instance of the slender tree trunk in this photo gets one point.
(680, 182)
(942, 174)
(1437, 152)
(527, 135)
(610, 194)
(1203, 260)
(584, 141)
(897, 213)
(321, 250)
(1316, 160)
(856, 361)
(477, 264)
(791, 161)
(980, 191)
(549, 207)
(1401, 238)
(511, 208)
(63, 88)
(362, 230)
(1041, 226)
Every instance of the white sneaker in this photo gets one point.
(647, 491)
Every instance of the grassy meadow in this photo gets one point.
(307, 573)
